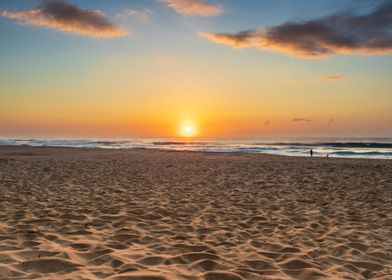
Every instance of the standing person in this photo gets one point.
(311, 153)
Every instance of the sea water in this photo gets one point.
(377, 148)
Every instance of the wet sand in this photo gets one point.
(153, 215)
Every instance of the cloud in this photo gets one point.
(333, 78)
(343, 33)
(141, 15)
(267, 123)
(193, 7)
(301, 120)
(67, 17)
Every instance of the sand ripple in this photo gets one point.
(155, 215)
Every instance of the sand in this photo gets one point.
(153, 215)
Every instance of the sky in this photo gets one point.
(220, 68)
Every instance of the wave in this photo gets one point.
(338, 144)
(369, 145)
(363, 153)
(168, 143)
(367, 148)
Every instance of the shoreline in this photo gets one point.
(188, 151)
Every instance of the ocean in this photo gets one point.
(376, 148)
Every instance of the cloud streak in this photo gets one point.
(333, 78)
(343, 33)
(141, 15)
(67, 17)
(301, 120)
(193, 7)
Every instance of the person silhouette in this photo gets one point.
(311, 153)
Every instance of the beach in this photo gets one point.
(141, 214)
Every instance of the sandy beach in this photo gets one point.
(70, 213)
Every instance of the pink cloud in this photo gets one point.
(193, 7)
(337, 34)
(69, 18)
(333, 78)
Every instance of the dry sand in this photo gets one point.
(154, 215)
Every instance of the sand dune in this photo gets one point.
(157, 215)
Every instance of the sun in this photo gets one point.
(188, 129)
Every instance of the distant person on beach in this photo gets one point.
(311, 153)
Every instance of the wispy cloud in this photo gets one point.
(141, 15)
(343, 33)
(194, 7)
(333, 78)
(301, 120)
(68, 17)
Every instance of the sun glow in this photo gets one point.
(188, 129)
